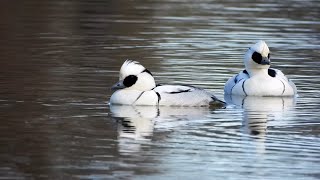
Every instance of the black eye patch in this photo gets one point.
(256, 57)
(130, 80)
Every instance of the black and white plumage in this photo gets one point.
(136, 86)
(258, 79)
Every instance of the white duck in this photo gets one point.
(137, 86)
(258, 79)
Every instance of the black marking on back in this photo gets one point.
(130, 80)
(147, 71)
(236, 79)
(216, 99)
(272, 72)
(179, 91)
(157, 85)
(243, 88)
(235, 82)
(232, 88)
(159, 97)
(284, 87)
(185, 85)
(138, 97)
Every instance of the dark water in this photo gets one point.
(59, 59)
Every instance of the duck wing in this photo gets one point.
(184, 95)
(276, 73)
(235, 80)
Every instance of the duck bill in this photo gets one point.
(265, 61)
(118, 85)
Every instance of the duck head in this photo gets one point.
(257, 57)
(133, 76)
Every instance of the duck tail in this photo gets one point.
(216, 103)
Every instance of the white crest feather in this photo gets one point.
(261, 47)
(130, 67)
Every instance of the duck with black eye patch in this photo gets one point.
(258, 79)
(137, 86)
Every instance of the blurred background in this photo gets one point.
(60, 58)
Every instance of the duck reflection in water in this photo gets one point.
(136, 124)
(257, 111)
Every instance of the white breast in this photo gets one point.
(260, 85)
(134, 97)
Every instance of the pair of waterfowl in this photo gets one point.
(137, 85)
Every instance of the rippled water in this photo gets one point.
(59, 59)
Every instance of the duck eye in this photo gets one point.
(130, 80)
(256, 57)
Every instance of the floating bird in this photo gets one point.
(258, 79)
(137, 86)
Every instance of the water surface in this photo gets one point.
(60, 58)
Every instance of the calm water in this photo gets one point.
(60, 58)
